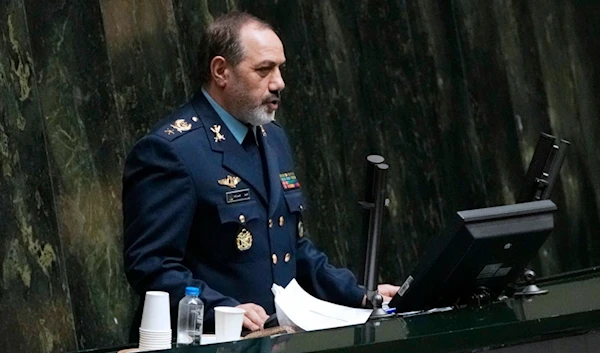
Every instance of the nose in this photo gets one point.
(276, 83)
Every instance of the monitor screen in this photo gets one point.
(482, 250)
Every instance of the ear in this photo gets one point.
(219, 70)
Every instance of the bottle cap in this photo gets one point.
(192, 291)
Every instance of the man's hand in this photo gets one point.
(387, 291)
(255, 316)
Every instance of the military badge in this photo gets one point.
(230, 181)
(217, 131)
(181, 125)
(289, 181)
(244, 240)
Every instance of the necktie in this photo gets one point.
(256, 158)
(263, 157)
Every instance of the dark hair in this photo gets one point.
(221, 38)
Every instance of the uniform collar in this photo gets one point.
(237, 128)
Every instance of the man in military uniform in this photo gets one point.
(210, 198)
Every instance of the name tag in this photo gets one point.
(237, 196)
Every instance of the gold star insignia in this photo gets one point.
(169, 131)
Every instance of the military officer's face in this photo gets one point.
(255, 83)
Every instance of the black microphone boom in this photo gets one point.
(375, 202)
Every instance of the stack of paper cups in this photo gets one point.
(155, 330)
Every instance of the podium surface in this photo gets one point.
(567, 319)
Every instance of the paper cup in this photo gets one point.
(156, 315)
(152, 339)
(228, 323)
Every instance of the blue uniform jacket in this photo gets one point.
(196, 213)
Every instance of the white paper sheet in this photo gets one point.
(298, 309)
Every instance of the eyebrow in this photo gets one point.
(268, 63)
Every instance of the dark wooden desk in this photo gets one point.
(565, 320)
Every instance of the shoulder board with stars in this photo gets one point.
(179, 127)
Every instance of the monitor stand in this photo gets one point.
(530, 290)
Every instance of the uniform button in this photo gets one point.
(270, 223)
(281, 221)
(287, 257)
(301, 207)
(274, 257)
(242, 219)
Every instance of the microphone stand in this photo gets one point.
(375, 203)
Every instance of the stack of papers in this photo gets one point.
(300, 310)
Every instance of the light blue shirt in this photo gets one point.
(237, 128)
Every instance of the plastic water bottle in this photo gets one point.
(189, 319)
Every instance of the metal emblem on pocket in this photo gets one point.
(244, 240)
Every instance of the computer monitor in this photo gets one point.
(482, 251)
(543, 170)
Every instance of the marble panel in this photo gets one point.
(495, 138)
(583, 130)
(191, 18)
(565, 69)
(441, 79)
(85, 144)
(567, 64)
(34, 295)
(486, 39)
(146, 61)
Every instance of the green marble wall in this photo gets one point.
(453, 94)
(35, 302)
